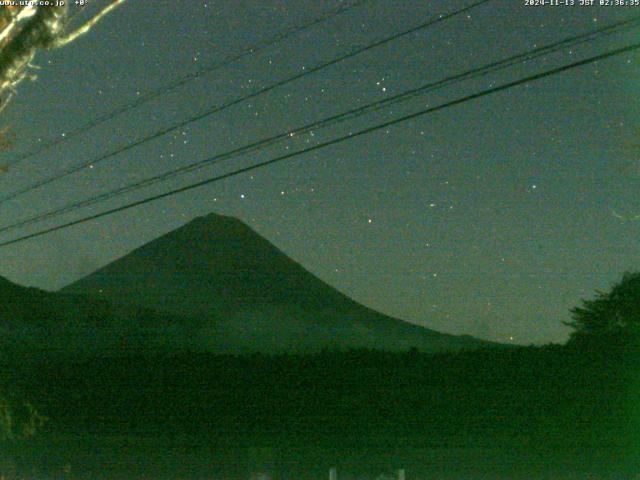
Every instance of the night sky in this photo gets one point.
(492, 218)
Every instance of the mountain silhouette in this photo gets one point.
(241, 293)
(38, 324)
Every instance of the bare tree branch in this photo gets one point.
(61, 42)
(25, 30)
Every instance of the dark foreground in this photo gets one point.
(122, 457)
(527, 413)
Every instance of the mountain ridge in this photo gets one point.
(37, 324)
(236, 284)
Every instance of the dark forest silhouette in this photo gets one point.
(612, 319)
(579, 395)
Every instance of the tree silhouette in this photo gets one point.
(25, 29)
(612, 319)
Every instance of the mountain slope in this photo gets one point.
(39, 324)
(212, 262)
(245, 294)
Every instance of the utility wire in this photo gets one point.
(216, 109)
(371, 107)
(255, 48)
(350, 136)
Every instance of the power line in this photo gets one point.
(255, 48)
(374, 106)
(335, 141)
(216, 109)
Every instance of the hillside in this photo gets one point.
(37, 323)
